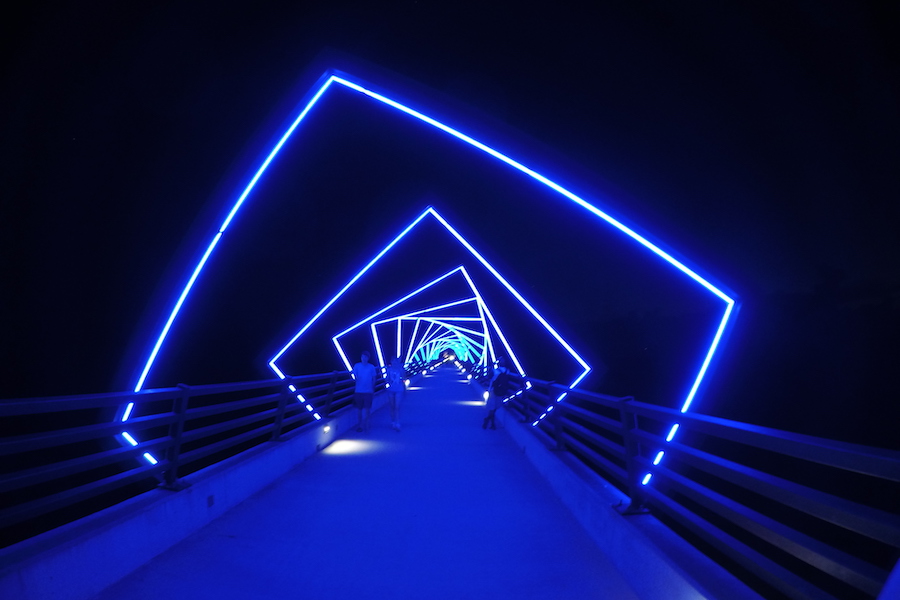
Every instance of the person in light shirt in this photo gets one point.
(364, 373)
(499, 389)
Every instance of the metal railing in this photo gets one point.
(795, 516)
(54, 470)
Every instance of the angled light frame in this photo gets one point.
(430, 211)
(444, 338)
(458, 333)
(482, 306)
(359, 86)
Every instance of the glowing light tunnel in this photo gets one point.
(438, 334)
(434, 316)
(484, 312)
(441, 335)
(365, 90)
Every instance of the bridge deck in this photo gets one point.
(442, 509)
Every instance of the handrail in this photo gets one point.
(718, 486)
(733, 488)
(34, 406)
(61, 471)
(867, 460)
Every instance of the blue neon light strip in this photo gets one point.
(444, 335)
(335, 339)
(178, 304)
(730, 303)
(343, 290)
(482, 306)
(409, 353)
(584, 204)
(452, 338)
(273, 153)
(534, 174)
(399, 338)
(396, 303)
(456, 332)
(456, 335)
(381, 311)
(443, 321)
(514, 359)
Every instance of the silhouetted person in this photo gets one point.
(365, 389)
(499, 390)
(396, 390)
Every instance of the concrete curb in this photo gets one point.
(656, 562)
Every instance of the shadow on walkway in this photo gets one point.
(441, 509)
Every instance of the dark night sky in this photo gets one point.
(761, 141)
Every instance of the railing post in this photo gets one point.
(282, 406)
(330, 394)
(176, 429)
(526, 400)
(632, 452)
(556, 425)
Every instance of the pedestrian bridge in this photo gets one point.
(251, 497)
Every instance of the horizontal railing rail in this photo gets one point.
(796, 515)
(59, 469)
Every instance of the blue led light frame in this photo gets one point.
(486, 316)
(445, 338)
(461, 269)
(440, 334)
(445, 325)
(359, 86)
(436, 338)
(440, 330)
(430, 211)
(447, 333)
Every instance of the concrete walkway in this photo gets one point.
(442, 509)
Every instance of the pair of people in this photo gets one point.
(364, 373)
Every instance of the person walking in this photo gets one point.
(364, 373)
(499, 390)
